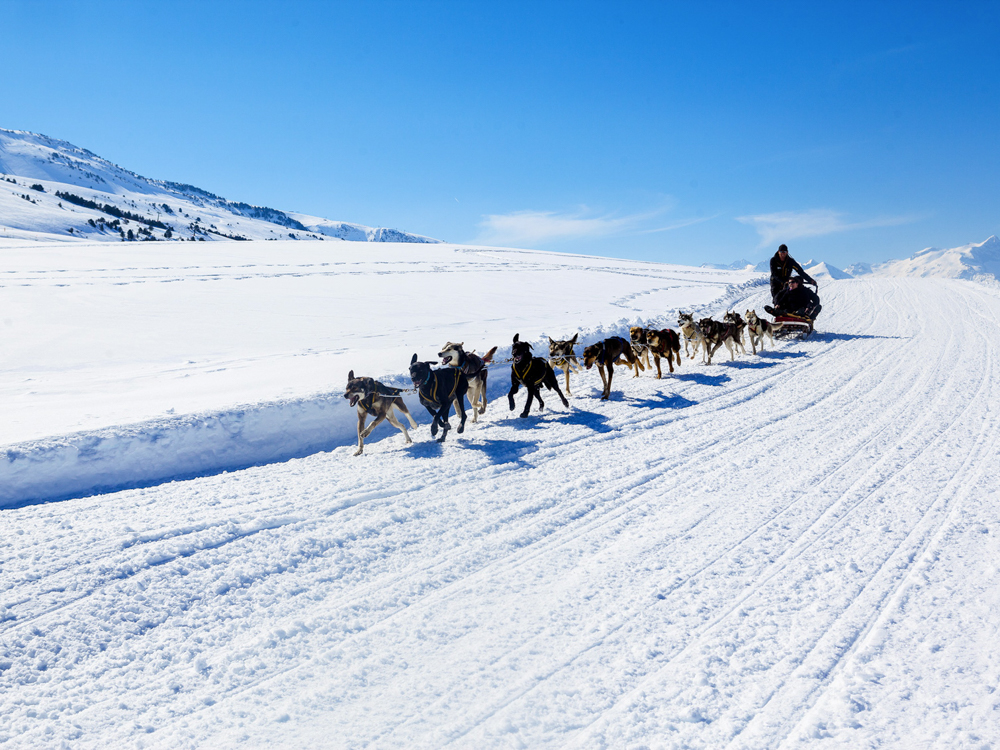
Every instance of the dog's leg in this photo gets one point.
(397, 424)
(607, 383)
(442, 419)
(368, 430)
(604, 380)
(460, 410)
(538, 395)
(553, 385)
(362, 416)
(527, 404)
(473, 400)
(566, 371)
(482, 391)
(401, 405)
(514, 387)
(656, 360)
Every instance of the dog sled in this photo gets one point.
(787, 325)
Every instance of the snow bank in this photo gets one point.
(160, 450)
(165, 449)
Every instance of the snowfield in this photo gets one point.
(797, 549)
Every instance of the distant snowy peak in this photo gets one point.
(965, 262)
(824, 270)
(740, 265)
(51, 189)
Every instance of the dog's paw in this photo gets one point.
(358, 452)
(460, 429)
(523, 414)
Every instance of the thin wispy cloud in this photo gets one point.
(540, 227)
(790, 225)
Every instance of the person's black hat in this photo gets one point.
(782, 248)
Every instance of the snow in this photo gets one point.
(965, 262)
(792, 549)
(825, 272)
(34, 168)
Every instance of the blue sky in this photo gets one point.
(684, 132)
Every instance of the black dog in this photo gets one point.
(530, 372)
(437, 389)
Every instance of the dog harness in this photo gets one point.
(433, 397)
(525, 375)
(470, 364)
(604, 347)
(368, 402)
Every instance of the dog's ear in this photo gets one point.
(414, 359)
(350, 375)
(516, 336)
(551, 341)
(573, 340)
(460, 345)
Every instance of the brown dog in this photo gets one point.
(373, 398)
(561, 355)
(640, 347)
(605, 354)
(664, 343)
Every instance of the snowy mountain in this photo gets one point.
(824, 270)
(965, 262)
(739, 265)
(52, 190)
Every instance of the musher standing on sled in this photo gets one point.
(782, 265)
(797, 300)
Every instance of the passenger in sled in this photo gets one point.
(796, 300)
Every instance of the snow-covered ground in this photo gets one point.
(794, 549)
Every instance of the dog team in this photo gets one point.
(463, 374)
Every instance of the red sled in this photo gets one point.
(789, 324)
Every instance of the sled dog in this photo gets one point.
(437, 390)
(732, 317)
(531, 372)
(691, 332)
(605, 355)
(757, 328)
(640, 347)
(474, 367)
(664, 343)
(561, 355)
(379, 401)
(716, 334)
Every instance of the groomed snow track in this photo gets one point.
(795, 549)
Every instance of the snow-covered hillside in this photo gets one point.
(965, 262)
(53, 190)
(795, 549)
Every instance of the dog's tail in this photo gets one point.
(488, 357)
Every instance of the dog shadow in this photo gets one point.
(500, 452)
(662, 401)
(760, 362)
(702, 378)
(573, 416)
(830, 336)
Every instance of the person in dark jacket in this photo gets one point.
(782, 265)
(796, 299)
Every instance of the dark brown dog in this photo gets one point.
(531, 372)
(664, 343)
(640, 347)
(605, 355)
(716, 334)
(376, 400)
(437, 390)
